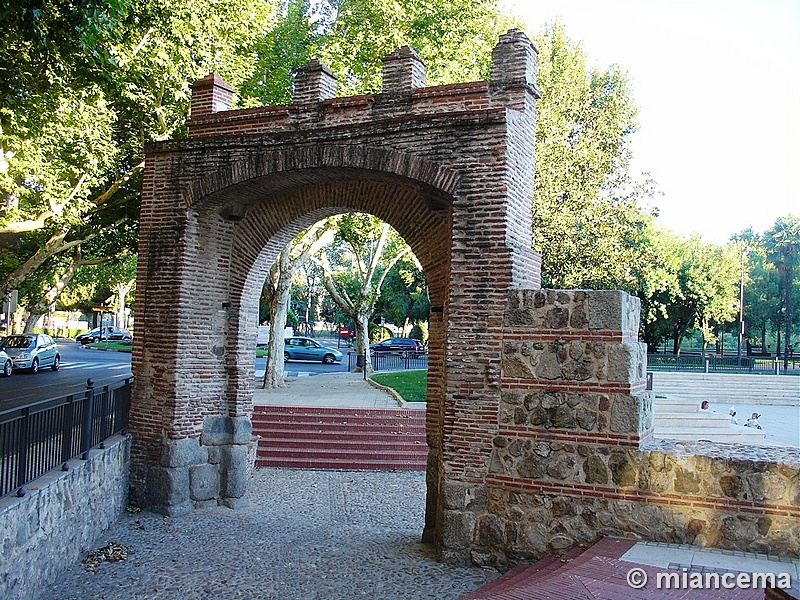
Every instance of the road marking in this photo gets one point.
(260, 374)
(93, 366)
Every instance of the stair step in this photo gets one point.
(748, 436)
(342, 434)
(337, 411)
(701, 419)
(343, 465)
(340, 438)
(342, 445)
(354, 428)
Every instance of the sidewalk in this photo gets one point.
(330, 389)
(321, 535)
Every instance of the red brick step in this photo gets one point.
(340, 438)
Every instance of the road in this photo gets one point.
(77, 365)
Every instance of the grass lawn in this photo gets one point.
(118, 346)
(411, 385)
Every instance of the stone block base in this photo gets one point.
(200, 472)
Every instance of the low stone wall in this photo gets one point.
(59, 518)
(552, 496)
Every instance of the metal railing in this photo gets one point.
(39, 437)
(714, 364)
(390, 361)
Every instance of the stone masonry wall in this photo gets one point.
(60, 518)
(573, 459)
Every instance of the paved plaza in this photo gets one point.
(311, 535)
(317, 535)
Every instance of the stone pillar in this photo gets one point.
(574, 406)
(403, 70)
(313, 82)
(211, 94)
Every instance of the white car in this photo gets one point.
(6, 364)
(32, 351)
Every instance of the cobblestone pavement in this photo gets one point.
(316, 535)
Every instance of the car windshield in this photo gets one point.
(18, 341)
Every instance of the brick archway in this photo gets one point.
(451, 169)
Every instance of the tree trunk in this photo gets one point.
(273, 377)
(31, 318)
(123, 289)
(362, 341)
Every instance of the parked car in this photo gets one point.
(302, 348)
(109, 333)
(407, 347)
(119, 335)
(32, 351)
(7, 364)
(88, 337)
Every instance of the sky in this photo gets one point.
(717, 83)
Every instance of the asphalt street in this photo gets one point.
(79, 364)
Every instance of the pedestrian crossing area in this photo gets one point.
(293, 374)
(93, 366)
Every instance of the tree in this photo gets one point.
(708, 279)
(586, 220)
(277, 292)
(355, 268)
(783, 250)
(453, 38)
(660, 290)
(404, 298)
(84, 87)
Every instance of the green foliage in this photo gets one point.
(411, 385)
(586, 221)
(420, 331)
(291, 43)
(453, 38)
(378, 333)
(84, 85)
(404, 296)
(782, 244)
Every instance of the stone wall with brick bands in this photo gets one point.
(551, 496)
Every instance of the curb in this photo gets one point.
(106, 349)
(390, 391)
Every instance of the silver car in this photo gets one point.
(6, 364)
(32, 351)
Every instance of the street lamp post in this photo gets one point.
(741, 312)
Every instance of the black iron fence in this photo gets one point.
(39, 437)
(390, 361)
(715, 364)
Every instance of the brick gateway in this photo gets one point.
(538, 420)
